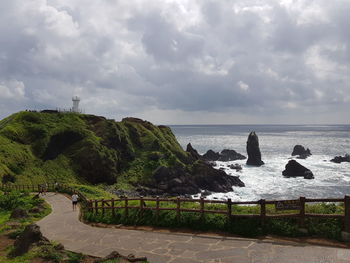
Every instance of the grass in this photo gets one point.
(93, 192)
(24, 201)
(11, 228)
(84, 149)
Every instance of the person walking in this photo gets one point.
(75, 198)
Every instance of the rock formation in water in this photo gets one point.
(295, 169)
(236, 167)
(225, 155)
(253, 150)
(340, 159)
(301, 152)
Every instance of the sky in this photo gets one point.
(179, 61)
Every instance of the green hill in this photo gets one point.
(76, 148)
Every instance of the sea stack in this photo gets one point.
(253, 150)
(301, 151)
(295, 169)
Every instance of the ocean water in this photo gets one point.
(276, 145)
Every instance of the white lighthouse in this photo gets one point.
(76, 101)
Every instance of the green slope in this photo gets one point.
(75, 148)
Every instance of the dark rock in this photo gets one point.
(206, 177)
(179, 181)
(193, 152)
(18, 213)
(226, 155)
(301, 151)
(340, 159)
(295, 169)
(253, 150)
(24, 241)
(230, 155)
(210, 155)
(236, 167)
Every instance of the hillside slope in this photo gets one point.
(47, 146)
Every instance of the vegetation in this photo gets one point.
(11, 228)
(248, 227)
(38, 147)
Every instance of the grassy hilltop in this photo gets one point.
(75, 148)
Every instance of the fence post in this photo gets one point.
(302, 212)
(157, 208)
(229, 209)
(263, 211)
(113, 211)
(202, 208)
(346, 233)
(103, 207)
(141, 205)
(126, 207)
(91, 206)
(178, 209)
(96, 207)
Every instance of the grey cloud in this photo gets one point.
(137, 57)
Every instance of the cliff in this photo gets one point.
(68, 147)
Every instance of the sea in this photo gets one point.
(276, 143)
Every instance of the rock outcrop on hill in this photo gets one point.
(31, 235)
(180, 181)
(253, 150)
(295, 169)
(193, 152)
(340, 159)
(80, 148)
(225, 155)
(302, 152)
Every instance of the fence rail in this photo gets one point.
(101, 206)
(44, 187)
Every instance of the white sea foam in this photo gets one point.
(276, 144)
(267, 181)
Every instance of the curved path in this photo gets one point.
(63, 226)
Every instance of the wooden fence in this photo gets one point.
(100, 206)
(43, 187)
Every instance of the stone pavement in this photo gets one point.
(63, 226)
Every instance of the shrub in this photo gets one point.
(8, 178)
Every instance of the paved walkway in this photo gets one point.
(63, 226)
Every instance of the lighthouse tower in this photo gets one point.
(76, 101)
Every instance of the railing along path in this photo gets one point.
(100, 206)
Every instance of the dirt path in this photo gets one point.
(63, 226)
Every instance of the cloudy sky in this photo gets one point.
(179, 61)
